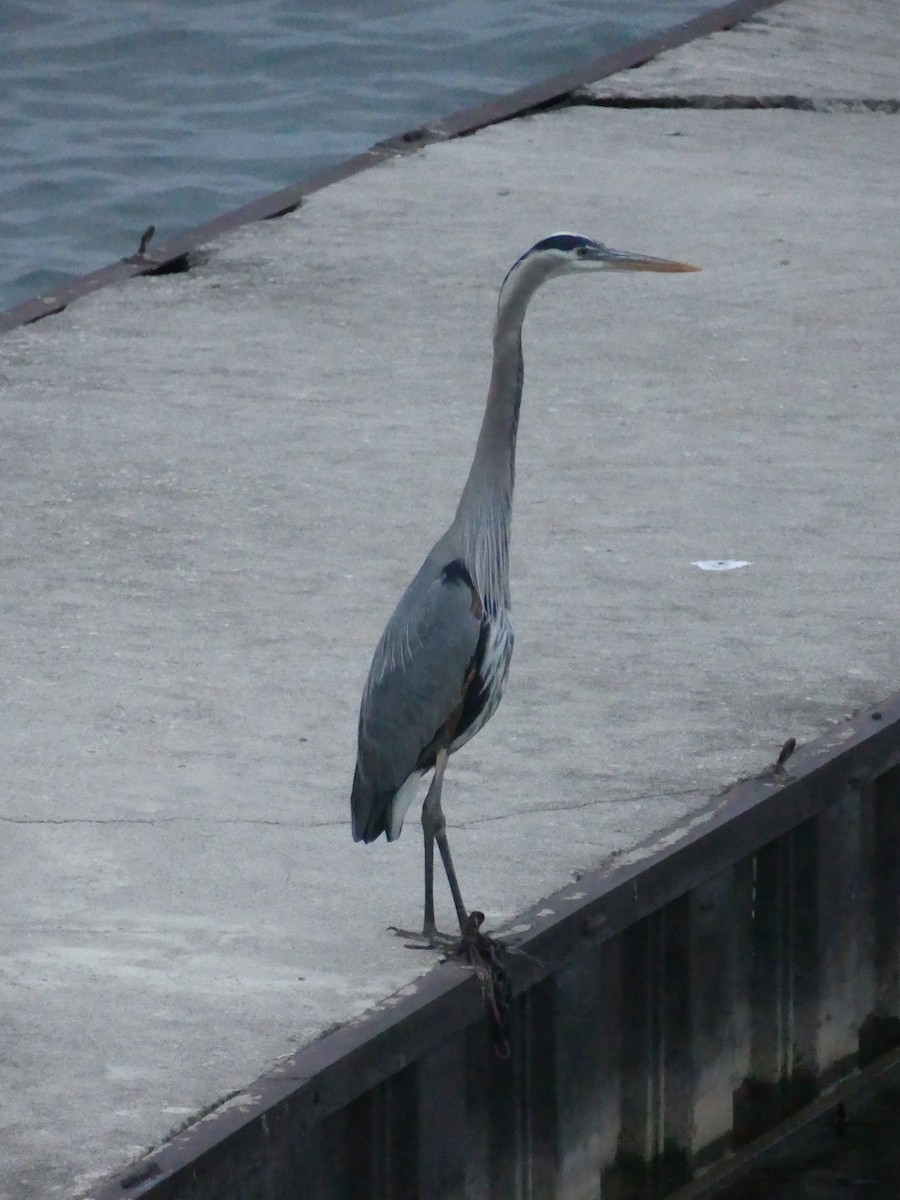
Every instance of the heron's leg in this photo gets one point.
(435, 827)
(434, 830)
(429, 925)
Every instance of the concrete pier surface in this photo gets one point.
(216, 484)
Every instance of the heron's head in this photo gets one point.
(563, 254)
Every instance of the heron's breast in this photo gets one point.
(490, 672)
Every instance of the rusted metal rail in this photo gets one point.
(666, 1013)
(182, 252)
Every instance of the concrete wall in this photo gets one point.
(663, 1015)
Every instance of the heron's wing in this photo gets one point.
(416, 685)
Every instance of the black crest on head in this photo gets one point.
(566, 242)
(561, 241)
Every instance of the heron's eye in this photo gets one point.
(581, 252)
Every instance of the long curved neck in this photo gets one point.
(483, 517)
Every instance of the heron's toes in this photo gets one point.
(426, 939)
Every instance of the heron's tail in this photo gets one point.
(369, 814)
(375, 814)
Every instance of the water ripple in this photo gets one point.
(114, 116)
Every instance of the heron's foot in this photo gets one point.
(427, 939)
(488, 958)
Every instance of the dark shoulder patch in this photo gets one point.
(457, 572)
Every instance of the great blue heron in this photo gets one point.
(439, 669)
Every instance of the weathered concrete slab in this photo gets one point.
(825, 52)
(214, 486)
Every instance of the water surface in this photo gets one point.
(115, 114)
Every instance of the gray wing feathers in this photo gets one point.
(415, 683)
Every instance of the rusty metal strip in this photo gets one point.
(175, 255)
(322, 1078)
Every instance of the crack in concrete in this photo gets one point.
(557, 808)
(818, 104)
(11, 820)
(268, 821)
